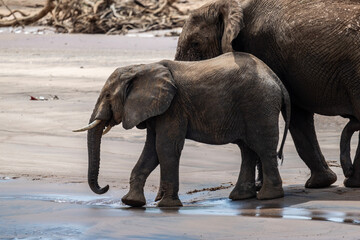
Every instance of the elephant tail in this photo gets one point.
(286, 112)
(345, 158)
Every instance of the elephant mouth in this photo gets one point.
(108, 125)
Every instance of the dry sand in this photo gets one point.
(43, 164)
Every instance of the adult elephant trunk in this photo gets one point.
(94, 142)
(345, 158)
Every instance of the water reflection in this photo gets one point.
(226, 207)
(278, 210)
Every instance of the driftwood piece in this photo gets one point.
(115, 17)
(30, 19)
(105, 16)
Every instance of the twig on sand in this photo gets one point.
(49, 6)
(161, 8)
(12, 13)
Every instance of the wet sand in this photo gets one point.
(44, 165)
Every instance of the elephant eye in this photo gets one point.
(107, 96)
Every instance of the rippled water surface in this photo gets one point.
(220, 207)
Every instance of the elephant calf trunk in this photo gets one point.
(94, 142)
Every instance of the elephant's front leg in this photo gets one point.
(147, 162)
(245, 185)
(169, 144)
(303, 133)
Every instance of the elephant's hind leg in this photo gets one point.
(272, 184)
(303, 133)
(264, 144)
(245, 185)
(147, 162)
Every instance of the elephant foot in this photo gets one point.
(270, 193)
(134, 199)
(321, 180)
(170, 202)
(353, 181)
(240, 194)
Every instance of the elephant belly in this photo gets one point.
(334, 106)
(216, 136)
(318, 92)
(318, 99)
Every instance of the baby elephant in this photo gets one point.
(233, 98)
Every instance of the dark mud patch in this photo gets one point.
(211, 189)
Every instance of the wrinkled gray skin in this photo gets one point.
(234, 98)
(312, 45)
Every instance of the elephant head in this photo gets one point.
(130, 96)
(210, 31)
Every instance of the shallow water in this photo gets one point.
(38, 210)
(219, 207)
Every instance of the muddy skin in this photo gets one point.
(211, 189)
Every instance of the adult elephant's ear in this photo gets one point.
(148, 94)
(232, 15)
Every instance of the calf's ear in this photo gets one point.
(148, 94)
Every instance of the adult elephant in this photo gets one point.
(312, 45)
